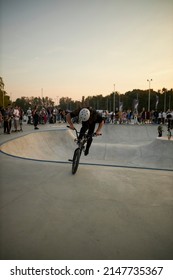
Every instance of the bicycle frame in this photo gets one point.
(81, 147)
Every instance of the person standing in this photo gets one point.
(7, 120)
(169, 134)
(29, 114)
(160, 130)
(16, 117)
(21, 113)
(35, 115)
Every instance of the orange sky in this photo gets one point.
(75, 48)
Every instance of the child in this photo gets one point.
(160, 130)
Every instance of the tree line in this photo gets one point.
(162, 100)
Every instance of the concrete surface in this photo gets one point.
(102, 212)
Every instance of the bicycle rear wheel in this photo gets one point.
(76, 158)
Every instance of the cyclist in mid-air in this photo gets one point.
(89, 117)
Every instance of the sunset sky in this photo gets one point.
(75, 48)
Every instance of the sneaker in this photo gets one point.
(36, 128)
(86, 152)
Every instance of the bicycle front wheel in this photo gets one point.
(76, 158)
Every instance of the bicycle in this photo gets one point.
(81, 148)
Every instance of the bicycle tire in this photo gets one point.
(76, 158)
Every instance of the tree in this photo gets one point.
(4, 98)
(23, 102)
(26, 102)
(67, 103)
(1, 84)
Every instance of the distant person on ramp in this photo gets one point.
(160, 130)
(169, 117)
(169, 134)
(89, 118)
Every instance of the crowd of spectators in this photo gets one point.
(135, 117)
(12, 118)
(46, 115)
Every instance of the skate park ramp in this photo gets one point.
(120, 145)
(101, 212)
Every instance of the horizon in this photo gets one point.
(55, 100)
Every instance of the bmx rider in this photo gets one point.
(89, 118)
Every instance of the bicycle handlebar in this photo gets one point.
(77, 132)
(71, 128)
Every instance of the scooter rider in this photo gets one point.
(89, 117)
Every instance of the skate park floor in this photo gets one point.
(117, 206)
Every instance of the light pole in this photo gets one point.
(149, 95)
(119, 101)
(165, 101)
